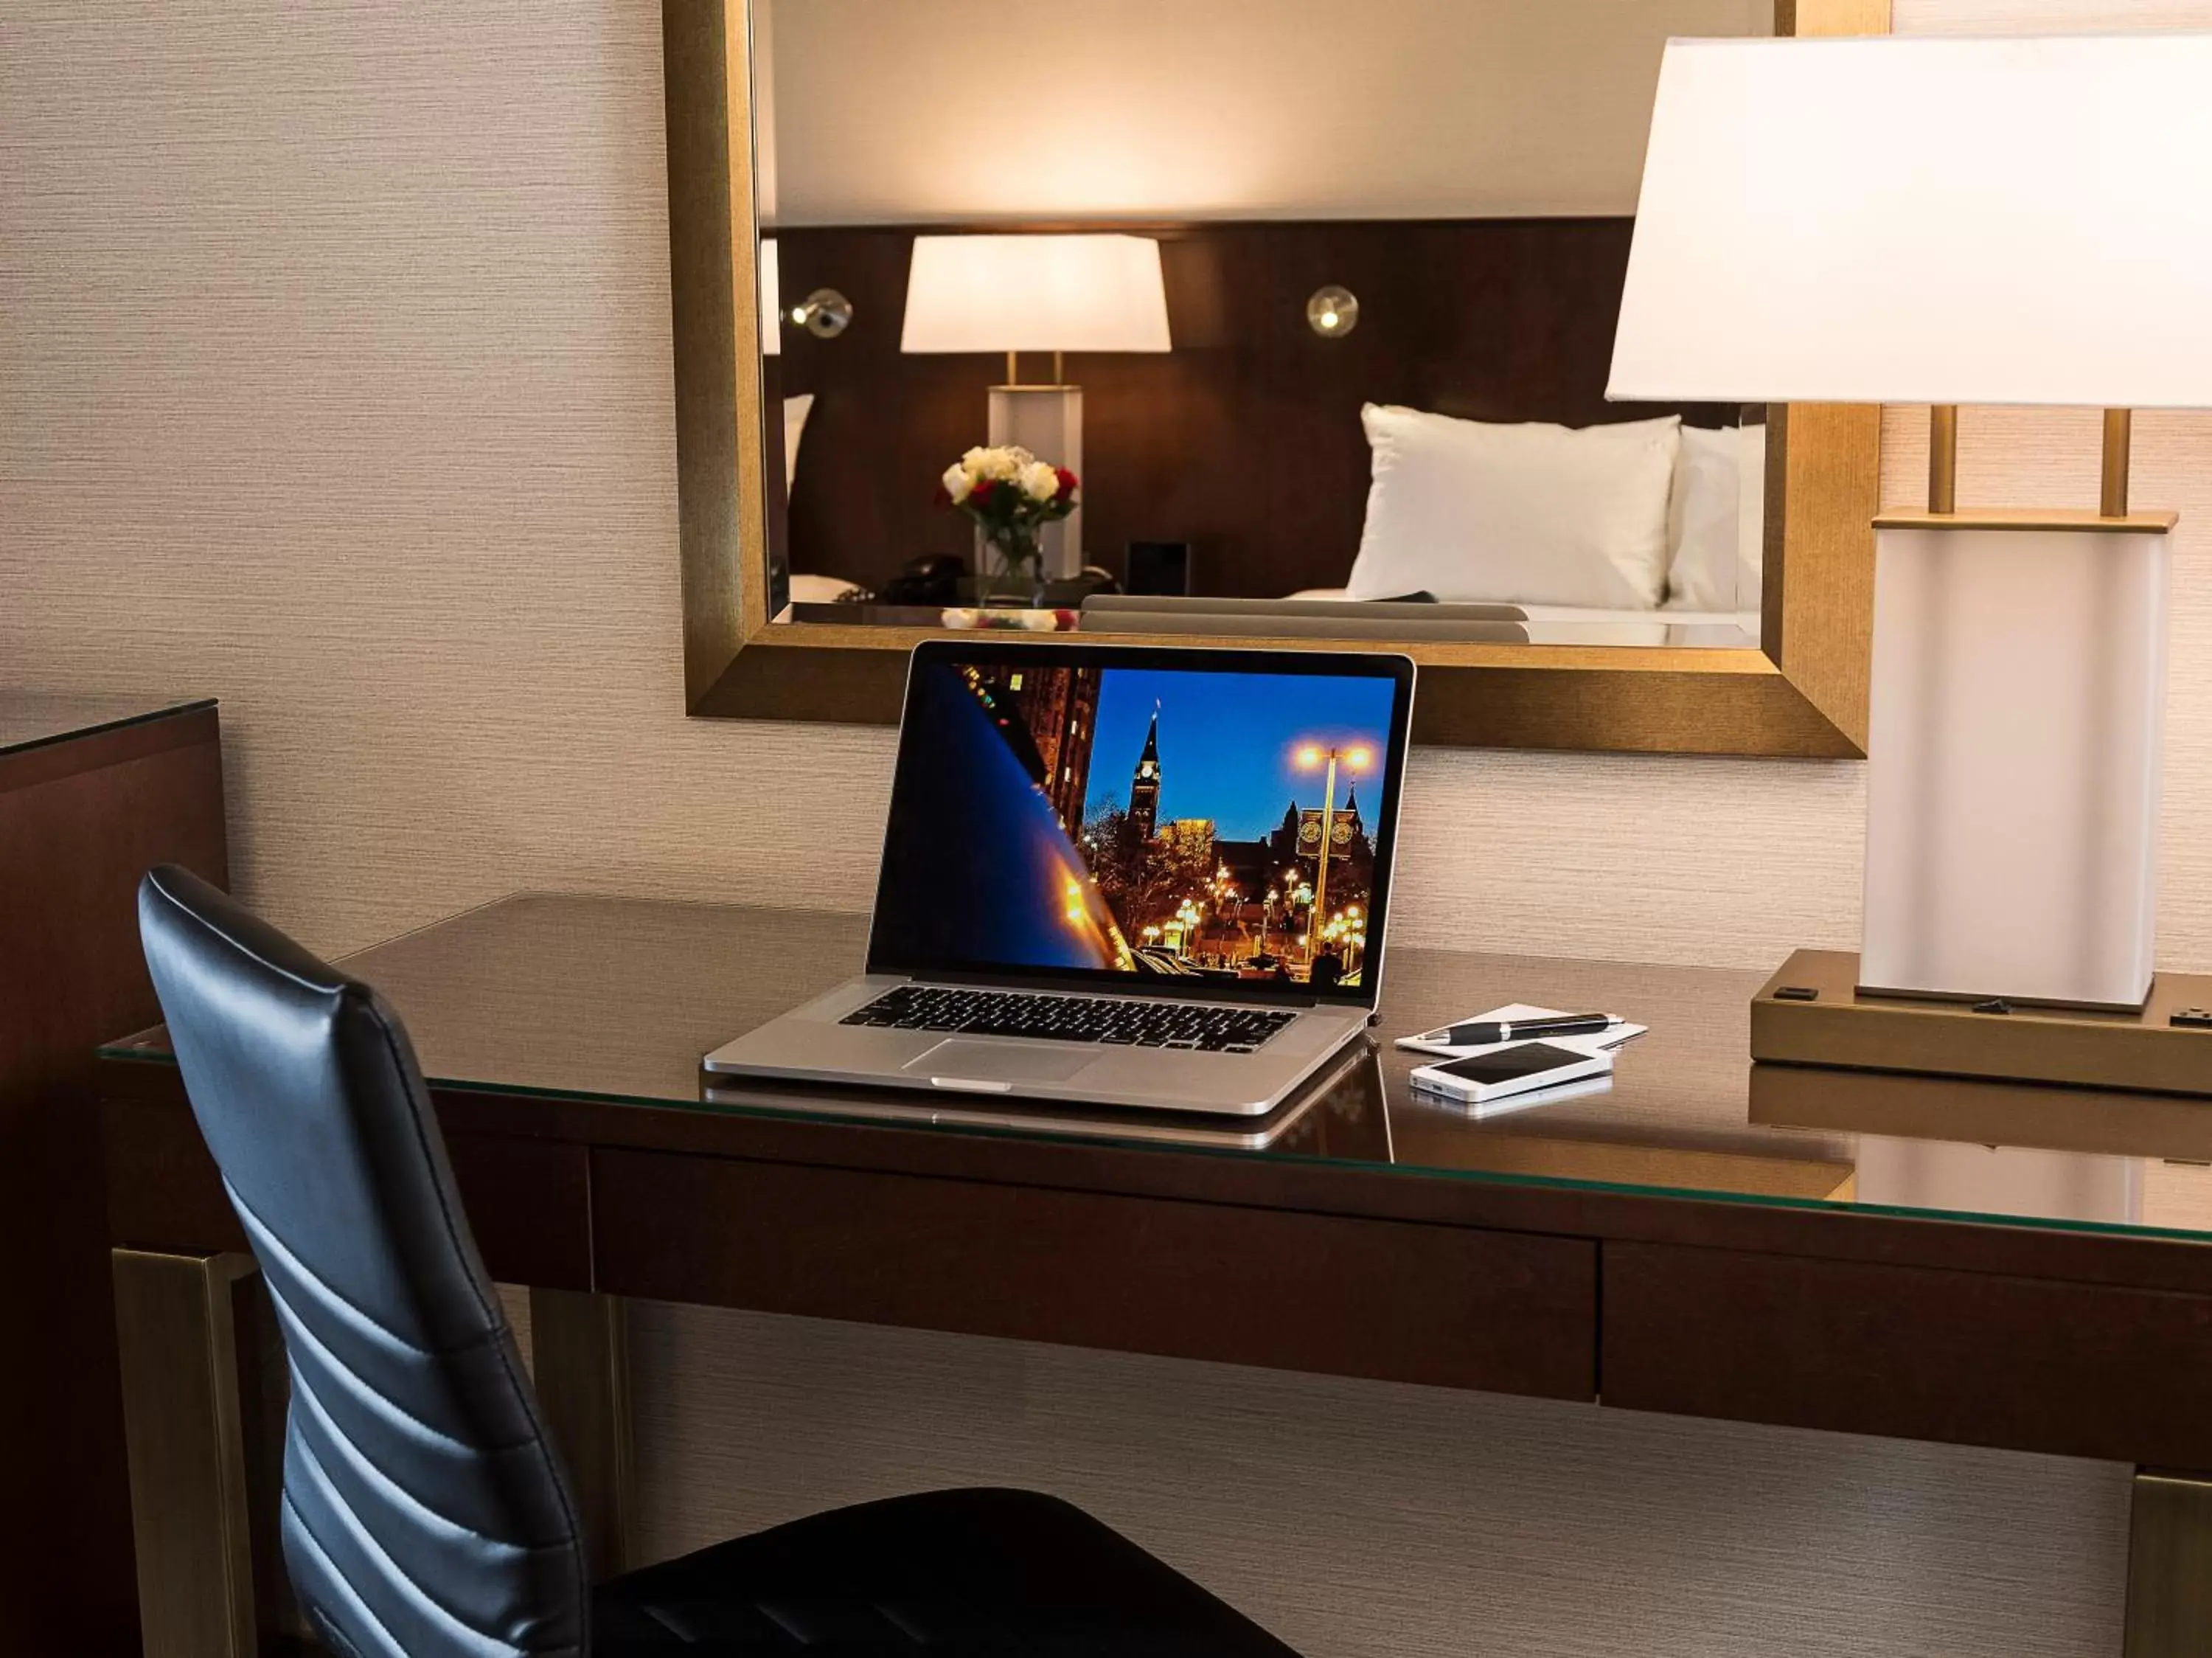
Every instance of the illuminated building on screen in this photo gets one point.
(1144, 786)
(1056, 708)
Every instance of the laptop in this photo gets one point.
(1143, 877)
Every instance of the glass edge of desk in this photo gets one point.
(136, 1050)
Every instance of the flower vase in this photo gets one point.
(1012, 497)
(1012, 575)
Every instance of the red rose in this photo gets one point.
(944, 497)
(982, 493)
(1068, 483)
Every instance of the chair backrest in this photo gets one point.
(425, 1512)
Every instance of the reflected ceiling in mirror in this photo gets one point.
(1111, 259)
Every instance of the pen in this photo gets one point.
(1482, 1033)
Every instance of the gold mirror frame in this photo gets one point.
(1803, 693)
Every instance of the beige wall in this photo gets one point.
(334, 380)
(1233, 108)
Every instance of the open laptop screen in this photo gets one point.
(1203, 820)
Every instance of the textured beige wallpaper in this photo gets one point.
(334, 381)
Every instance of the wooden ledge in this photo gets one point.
(2028, 518)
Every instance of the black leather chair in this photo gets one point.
(425, 1512)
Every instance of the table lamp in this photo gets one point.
(1949, 220)
(1037, 292)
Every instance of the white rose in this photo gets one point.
(1040, 482)
(957, 484)
(1001, 466)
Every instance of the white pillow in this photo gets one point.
(1702, 519)
(795, 411)
(1526, 514)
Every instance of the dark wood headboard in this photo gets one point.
(1245, 440)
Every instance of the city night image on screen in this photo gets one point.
(1216, 824)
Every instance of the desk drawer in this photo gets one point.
(1448, 1306)
(528, 1201)
(1968, 1358)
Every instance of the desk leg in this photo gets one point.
(176, 1336)
(2169, 1566)
(579, 1358)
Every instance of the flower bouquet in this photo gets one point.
(1012, 495)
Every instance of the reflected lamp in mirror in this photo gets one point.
(1013, 294)
(771, 299)
(2035, 231)
(825, 313)
(1333, 312)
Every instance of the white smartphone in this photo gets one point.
(1520, 1069)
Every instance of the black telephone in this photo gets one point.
(932, 579)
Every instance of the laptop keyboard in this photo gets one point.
(1110, 1021)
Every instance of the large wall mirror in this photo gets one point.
(1263, 321)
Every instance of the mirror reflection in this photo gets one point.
(1262, 317)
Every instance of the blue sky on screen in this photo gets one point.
(1229, 741)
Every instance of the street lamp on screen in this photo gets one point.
(1355, 758)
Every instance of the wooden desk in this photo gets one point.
(93, 791)
(1651, 1248)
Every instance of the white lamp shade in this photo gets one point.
(771, 299)
(1091, 293)
(1926, 221)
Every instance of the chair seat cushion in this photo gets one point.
(966, 1574)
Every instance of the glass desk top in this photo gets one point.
(29, 718)
(618, 999)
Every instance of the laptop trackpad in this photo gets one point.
(956, 1061)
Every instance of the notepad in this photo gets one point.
(1432, 1042)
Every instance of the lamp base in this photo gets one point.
(1813, 1013)
(2090, 1123)
(1047, 422)
(2019, 693)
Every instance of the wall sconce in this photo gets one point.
(825, 314)
(1333, 312)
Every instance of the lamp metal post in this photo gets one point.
(1355, 760)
